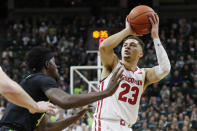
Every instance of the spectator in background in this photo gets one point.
(185, 89)
(176, 79)
(7, 54)
(17, 40)
(17, 27)
(165, 92)
(194, 91)
(8, 40)
(63, 44)
(43, 28)
(63, 85)
(186, 73)
(51, 38)
(180, 62)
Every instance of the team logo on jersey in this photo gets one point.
(132, 80)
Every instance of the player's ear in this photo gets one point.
(46, 64)
(141, 54)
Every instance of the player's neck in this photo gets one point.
(44, 72)
(130, 64)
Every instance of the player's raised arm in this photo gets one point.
(107, 55)
(157, 73)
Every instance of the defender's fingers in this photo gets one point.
(90, 108)
(85, 107)
(116, 71)
(120, 73)
(119, 80)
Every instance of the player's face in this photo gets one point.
(52, 69)
(130, 49)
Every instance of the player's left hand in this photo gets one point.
(154, 20)
(43, 106)
(129, 29)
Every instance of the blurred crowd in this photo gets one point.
(169, 105)
(65, 3)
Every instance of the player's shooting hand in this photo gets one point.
(154, 20)
(114, 81)
(129, 29)
(43, 106)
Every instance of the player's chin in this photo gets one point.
(56, 75)
(127, 57)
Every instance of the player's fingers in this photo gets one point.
(52, 111)
(126, 19)
(151, 20)
(49, 103)
(119, 80)
(155, 18)
(52, 106)
(137, 34)
(85, 107)
(127, 22)
(116, 72)
(90, 108)
(119, 73)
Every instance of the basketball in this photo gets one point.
(138, 19)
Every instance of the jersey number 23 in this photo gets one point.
(127, 88)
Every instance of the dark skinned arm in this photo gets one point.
(45, 125)
(66, 101)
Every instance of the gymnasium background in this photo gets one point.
(73, 29)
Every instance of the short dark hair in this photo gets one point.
(35, 58)
(136, 38)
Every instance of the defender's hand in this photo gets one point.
(154, 20)
(114, 81)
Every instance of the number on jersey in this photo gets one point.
(128, 88)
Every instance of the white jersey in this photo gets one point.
(124, 104)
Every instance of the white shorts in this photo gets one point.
(110, 125)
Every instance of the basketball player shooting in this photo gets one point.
(120, 111)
